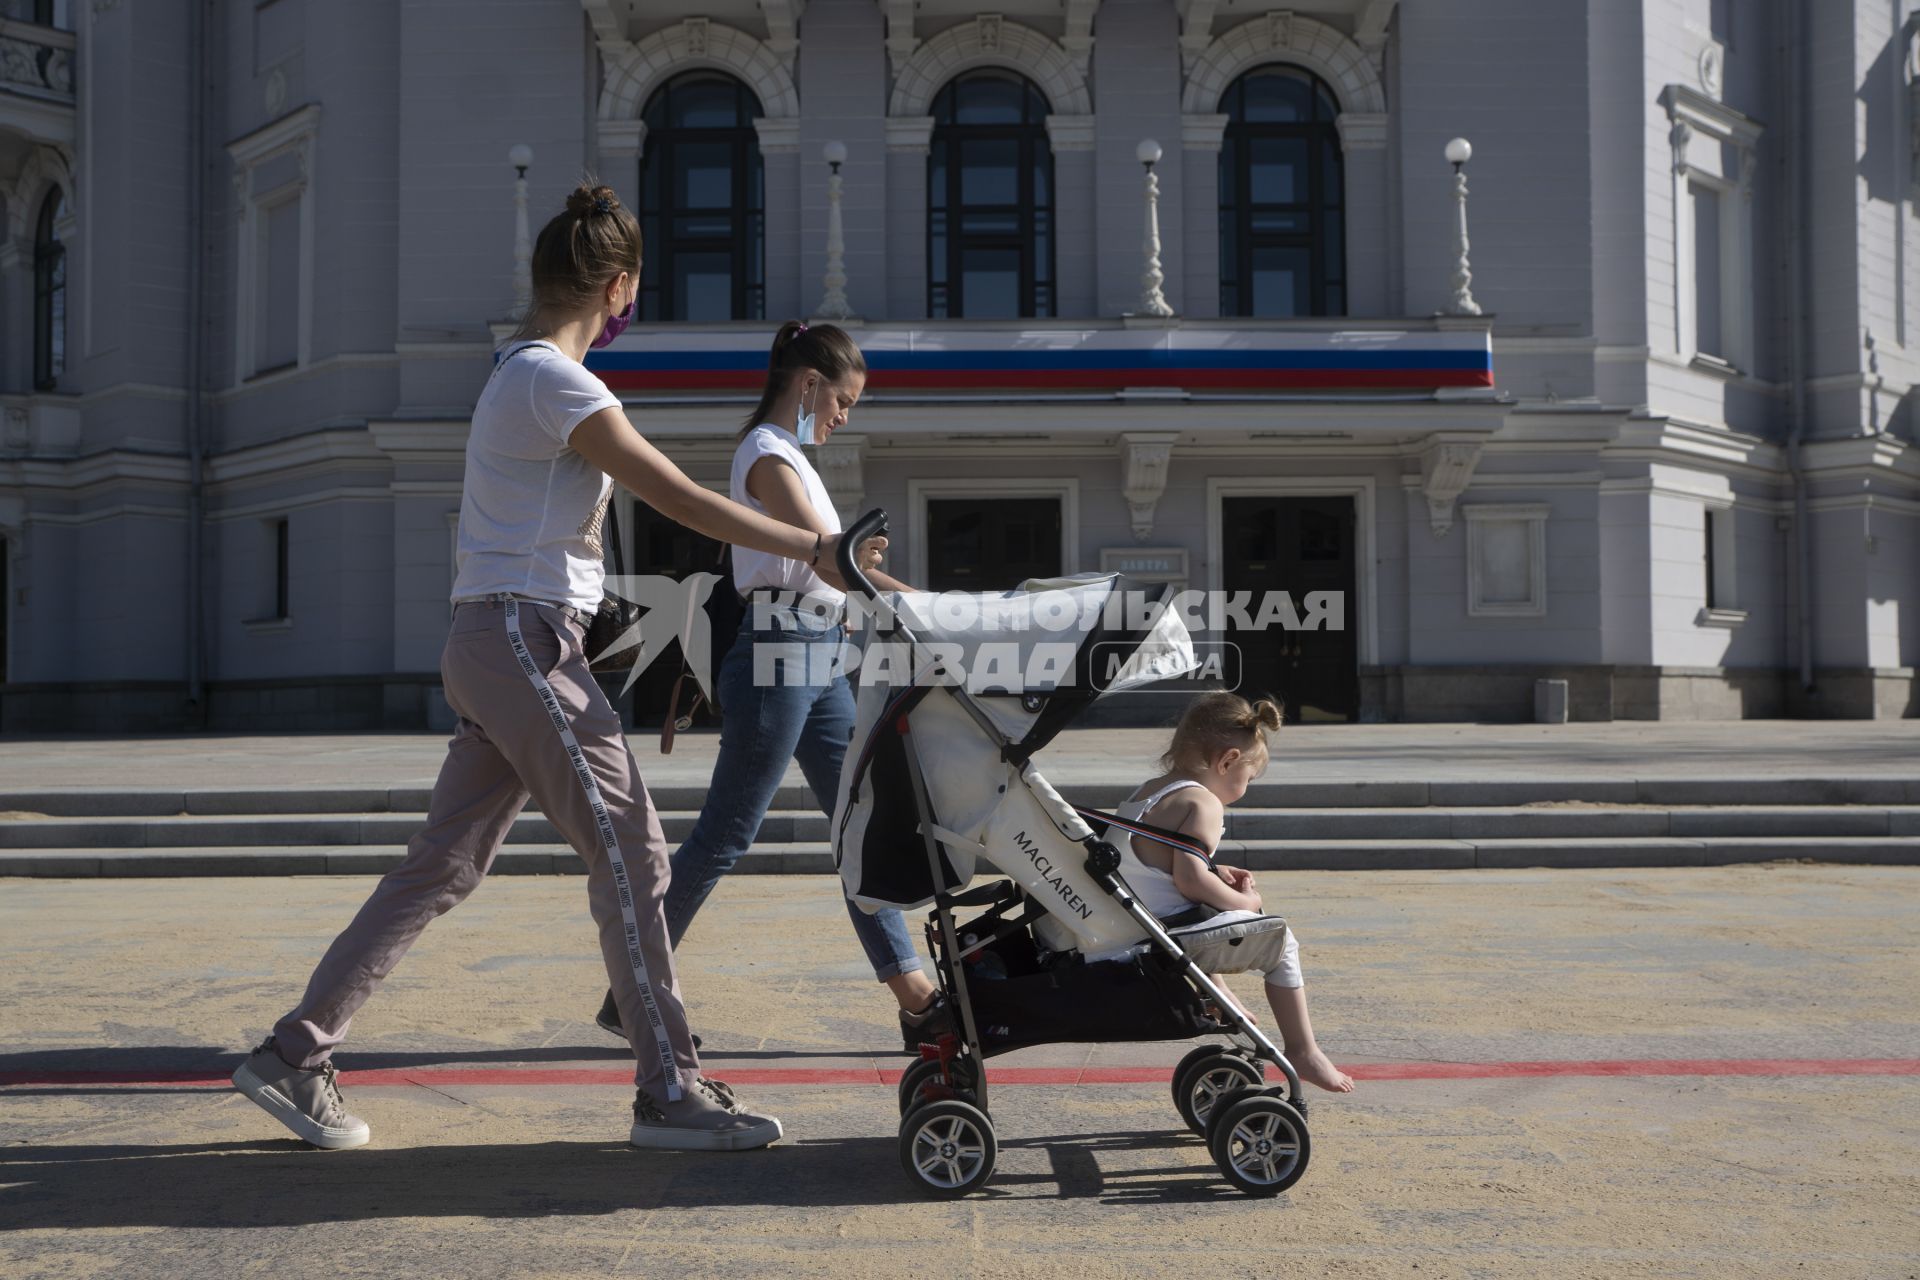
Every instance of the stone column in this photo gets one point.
(622, 142)
(780, 162)
(1075, 264)
(1363, 145)
(909, 140)
(1200, 137)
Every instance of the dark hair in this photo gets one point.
(826, 349)
(1217, 722)
(580, 249)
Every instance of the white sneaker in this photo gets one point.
(306, 1101)
(707, 1118)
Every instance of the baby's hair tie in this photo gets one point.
(602, 205)
(802, 329)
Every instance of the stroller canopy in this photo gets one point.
(980, 682)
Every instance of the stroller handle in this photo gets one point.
(870, 525)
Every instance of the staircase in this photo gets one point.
(1407, 825)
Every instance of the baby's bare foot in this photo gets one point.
(1316, 1068)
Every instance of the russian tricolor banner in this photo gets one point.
(675, 359)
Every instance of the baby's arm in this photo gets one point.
(1198, 813)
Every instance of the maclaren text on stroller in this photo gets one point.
(953, 703)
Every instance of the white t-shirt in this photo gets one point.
(531, 508)
(753, 570)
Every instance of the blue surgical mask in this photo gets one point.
(804, 427)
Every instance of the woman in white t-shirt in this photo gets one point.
(533, 723)
(783, 697)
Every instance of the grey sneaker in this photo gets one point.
(707, 1118)
(306, 1101)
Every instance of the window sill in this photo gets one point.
(257, 625)
(1728, 618)
(1704, 363)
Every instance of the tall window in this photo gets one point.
(703, 202)
(49, 295)
(1282, 241)
(990, 200)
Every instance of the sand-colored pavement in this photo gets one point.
(499, 1116)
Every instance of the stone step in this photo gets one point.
(1267, 794)
(813, 858)
(783, 827)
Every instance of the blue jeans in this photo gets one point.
(763, 725)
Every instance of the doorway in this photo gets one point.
(1297, 545)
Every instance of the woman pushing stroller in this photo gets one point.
(805, 711)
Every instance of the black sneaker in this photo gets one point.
(926, 1026)
(608, 1019)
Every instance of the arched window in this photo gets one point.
(702, 202)
(1282, 234)
(49, 295)
(990, 200)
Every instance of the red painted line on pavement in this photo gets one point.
(525, 1077)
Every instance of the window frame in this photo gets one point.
(1714, 148)
(658, 300)
(1039, 285)
(292, 135)
(1236, 208)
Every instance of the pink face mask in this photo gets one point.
(614, 327)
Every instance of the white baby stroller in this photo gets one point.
(957, 692)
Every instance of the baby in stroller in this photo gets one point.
(1219, 748)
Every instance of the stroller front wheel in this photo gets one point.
(1260, 1143)
(948, 1148)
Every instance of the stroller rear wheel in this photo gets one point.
(1260, 1143)
(1207, 1079)
(948, 1147)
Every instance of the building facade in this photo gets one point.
(1650, 434)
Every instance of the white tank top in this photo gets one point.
(1154, 887)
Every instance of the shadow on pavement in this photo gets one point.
(284, 1183)
(208, 1060)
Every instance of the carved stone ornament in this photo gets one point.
(1710, 67)
(18, 435)
(1280, 28)
(696, 29)
(988, 25)
(1145, 458)
(1679, 136)
(1445, 469)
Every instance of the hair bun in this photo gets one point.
(1265, 715)
(587, 201)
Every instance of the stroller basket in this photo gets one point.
(1022, 997)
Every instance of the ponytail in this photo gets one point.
(1217, 722)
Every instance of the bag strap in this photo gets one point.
(613, 533)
